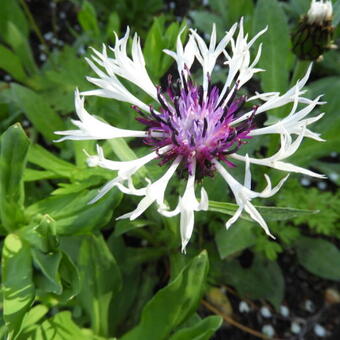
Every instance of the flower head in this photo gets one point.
(313, 35)
(197, 130)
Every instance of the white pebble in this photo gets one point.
(172, 5)
(333, 176)
(334, 154)
(284, 311)
(268, 330)
(42, 57)
(81, 50)
(265, 312)
(305, 181)
(295, 328)
(7, 77)
(62, 15)
(48, 35)
(320, 330)
(322, 185)
(309, 306)
(243, 307)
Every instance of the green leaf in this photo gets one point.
(18, 41)
(48, 264)
(113, 25)
(158, 39)
(14, 148)
(336, 13)
(157, 321)
(40, 234)
(269, 213)
(44, 119)
(240, 236)
(88, 19)
(204, 20)
(202, 330)
(123, 226)
(31, 319)
(276, 45)
(11, 12)
(69, 278)
(263, 280)
(320, 257)
(101, 280)
(46, 160)
(18, 288)
(328, 125)
(73, 214)
(11, 64)
(61, 327)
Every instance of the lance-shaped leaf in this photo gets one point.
(173, 304)
(201, 330)
(73, 214)
(43, 117)
(100, 281)
(17, 282)
(14, 148)
(269, 213)
(62, 327)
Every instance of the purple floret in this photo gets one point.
(197, 128)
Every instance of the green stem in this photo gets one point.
(300, 70)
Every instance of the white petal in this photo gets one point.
(154, 192)
(93, 128)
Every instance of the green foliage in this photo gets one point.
(328, 205)
(157, 322)
(275, 57)
(17, 280)
(159, 38)
(239, 237)
(14, 148)
(262, 280)
(320, 257)
(101, 281)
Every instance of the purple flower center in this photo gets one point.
(197, 127)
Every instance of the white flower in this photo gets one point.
(198, 128)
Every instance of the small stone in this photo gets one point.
(81, 50)
(322, 185)
(243, 307)
(48, 35)
(309, 306)
(268, 330)
(295, 327)
(334, 154)
(7, 77)
(172, 5)
(62, 15)
(265, 312)
(284, 311)
(332, 296)
(320, 330)
(42, 57)
(305, 181)
(333, 176)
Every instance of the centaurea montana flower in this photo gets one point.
(198, 128)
